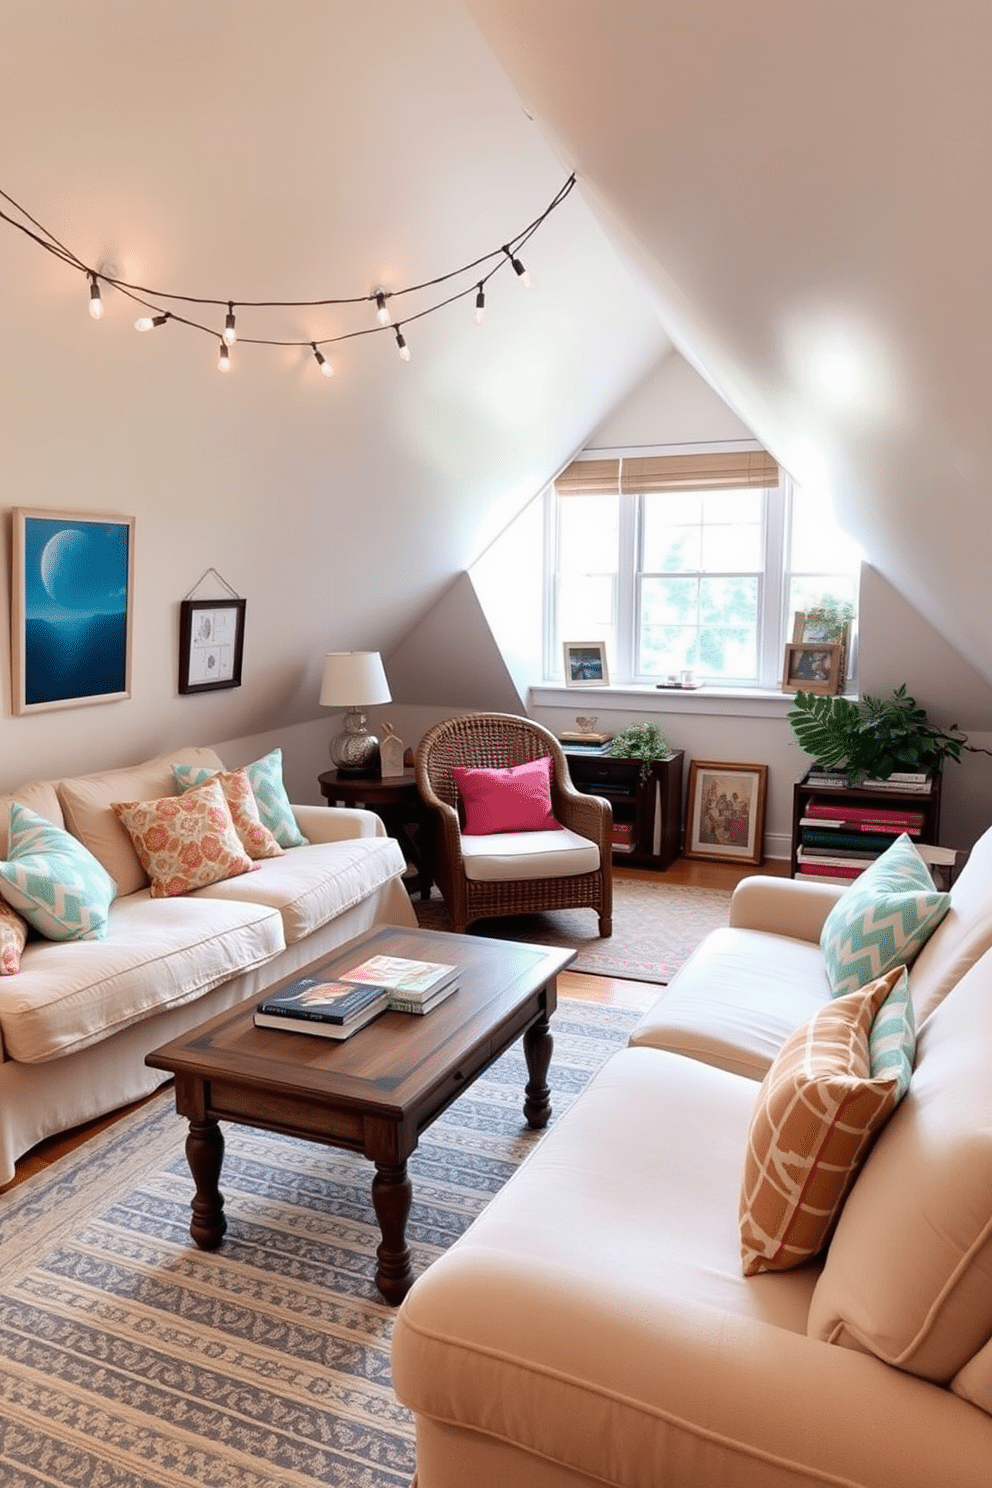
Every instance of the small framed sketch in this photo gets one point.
(812, 667)
(585, 664)
(725, 812)
(211, 644)
(72, 600)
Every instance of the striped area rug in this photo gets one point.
(129, 1359)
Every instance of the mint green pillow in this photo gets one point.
(54, 881)
(883, 920)
(892, 1040)
(265, 778)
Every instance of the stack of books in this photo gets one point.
(623, 837)
(839, 839)
(337, 1008)
(329, 1009)
(411, 986)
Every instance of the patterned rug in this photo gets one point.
(129, 1359)
(655, 928)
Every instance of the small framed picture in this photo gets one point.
(211, 644)
(72, 603)
(812, 666)
(585, 664)
(725, 812)
(806, 629)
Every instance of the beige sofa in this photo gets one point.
(594, 1325)
(78, 1018)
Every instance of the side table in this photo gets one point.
(396, 802)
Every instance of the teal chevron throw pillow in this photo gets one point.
(265, 778)
(883, 920)
(54, 881)
(892, 1041)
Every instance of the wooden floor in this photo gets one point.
(608, 990)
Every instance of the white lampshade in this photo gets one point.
(353, 679)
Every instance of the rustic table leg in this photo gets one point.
(392, 1193)
(538, 1045)
(205, 1155)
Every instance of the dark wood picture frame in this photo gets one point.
(211, 644)
(725, 812)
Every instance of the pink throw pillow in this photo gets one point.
(514, 799)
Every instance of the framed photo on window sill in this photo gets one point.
(812, 666)
(585, 664)
(211, 644)
(725, 812)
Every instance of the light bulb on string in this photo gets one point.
(96, 304)
(402, 347)
(480, 306)
(230, 334)
(322, 361)
(224, 358)
(151, 322)
(522, 274)
(382, 314)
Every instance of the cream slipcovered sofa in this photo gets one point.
(594, 1325)
(78, 1018)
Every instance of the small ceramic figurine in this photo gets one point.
(390, 752)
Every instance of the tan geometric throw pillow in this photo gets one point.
(13, 934)
(816, 1115)
(185, 842)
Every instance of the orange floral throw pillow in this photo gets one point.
(185, 842)
(13, 934)
(256, 839)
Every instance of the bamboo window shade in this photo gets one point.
(705, 472)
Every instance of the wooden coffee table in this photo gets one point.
(378, 1090)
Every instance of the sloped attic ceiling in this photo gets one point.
(254, 151)
(804, 185)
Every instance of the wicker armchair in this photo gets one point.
(494, 741)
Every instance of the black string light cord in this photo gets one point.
(157, 300)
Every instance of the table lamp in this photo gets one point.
(354, 680)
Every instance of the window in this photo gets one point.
(691, 563)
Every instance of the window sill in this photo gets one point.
(749, 702)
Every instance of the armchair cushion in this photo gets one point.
(514, 855)
(516, 798)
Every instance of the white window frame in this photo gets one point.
(774, 585)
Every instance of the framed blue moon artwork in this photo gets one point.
(72, 603)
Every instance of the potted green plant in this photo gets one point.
(640, 741)
(872, 737)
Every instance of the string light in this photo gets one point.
(151, 322)
(322, 361)
(186, 304)
(518, 268)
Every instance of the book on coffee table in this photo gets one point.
(419, 1005)
(415, 981)
(330, 1009)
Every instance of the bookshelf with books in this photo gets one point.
(839, 828)
(647, 812)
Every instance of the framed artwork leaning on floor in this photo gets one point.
(725, 812)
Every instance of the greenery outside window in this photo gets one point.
(689, 563)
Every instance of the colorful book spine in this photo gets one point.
(819, 870)
(867, 842)
(882, 815)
